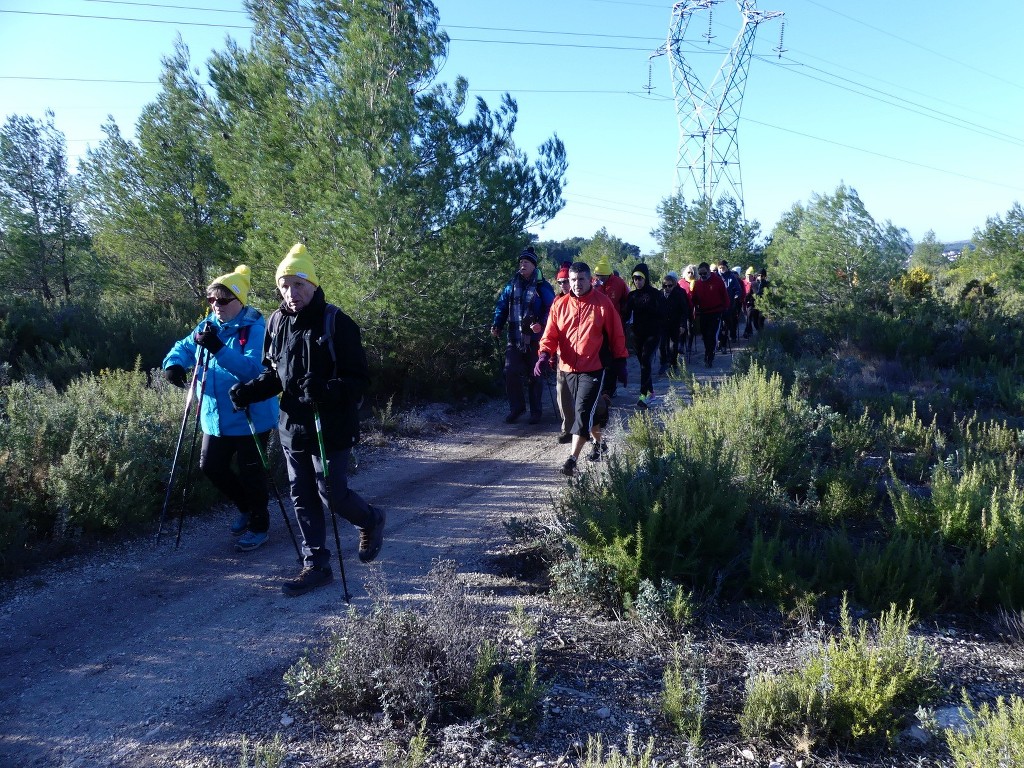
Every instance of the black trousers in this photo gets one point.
(709, 325)
(245, 487)
(517, 365)
(646, 346)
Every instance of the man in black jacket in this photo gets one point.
(677, 315)
(314, 357)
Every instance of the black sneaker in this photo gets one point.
(372, 539)
(569, 468)
(513, 417)
(311, 578)
(596, 452)
(565, 437)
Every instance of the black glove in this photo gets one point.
(314, 389)
(207, 337)
(175, 374)
(242, 395)
(263, 387)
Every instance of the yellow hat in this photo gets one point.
(604, 267)
(298, 263)
(237, 282)
(750, 271)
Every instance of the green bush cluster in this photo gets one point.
(413, 664)
(61, 340)
(856, 686)
(993, 735)
(88, 461)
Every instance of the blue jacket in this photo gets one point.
(514, 313)
(233, 363)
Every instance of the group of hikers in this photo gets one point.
(311, 354)
(580, 331)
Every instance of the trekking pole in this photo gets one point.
(330, 504)
(177, 451)
(265, 461)
(204, 361)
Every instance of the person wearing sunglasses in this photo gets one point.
(710, 301)
(225, 349)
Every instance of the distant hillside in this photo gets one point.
(957, 246)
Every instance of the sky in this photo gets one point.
(916, 106)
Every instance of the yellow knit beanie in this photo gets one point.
(299, 263)
(237, 282)
(604, 267)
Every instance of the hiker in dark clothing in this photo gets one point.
(314, 357)
(523, 304)
(229, 343)
(677, 317)
(645, 310)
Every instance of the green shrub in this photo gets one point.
(684, 697)
(631, 757)
(775, 438)
(993, 736)
(415, 664)
(667, 509)
(857, 686)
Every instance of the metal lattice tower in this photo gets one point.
(709, 152)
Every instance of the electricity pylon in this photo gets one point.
(709, 151)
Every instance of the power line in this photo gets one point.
(884, 156)
(916, 45)
(123, 18)
(173, 7)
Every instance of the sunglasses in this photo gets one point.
(638, 277)
(702, 274)
(564, 282)
(668, 285)
(219, 301)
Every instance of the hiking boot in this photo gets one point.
(565, 437)
(513, 416)
(371, 539)
(569, 468)
(240, 524)
(534, 418)
(311, 578)
(597, 451)
(251, 540)
(643, 402)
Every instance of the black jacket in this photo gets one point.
(646, 306)
(677, 310)
(295, 345)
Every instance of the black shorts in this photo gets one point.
(586, 389)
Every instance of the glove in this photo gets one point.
(314, 389)
(242, 395)
(620, 370)
(175, 374)
(542, 360)
(207, 337)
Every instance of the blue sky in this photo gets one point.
(916, 106)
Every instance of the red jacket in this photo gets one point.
(577, 328)
(710, 296)
(615, 288)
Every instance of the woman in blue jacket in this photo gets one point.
(230, 344)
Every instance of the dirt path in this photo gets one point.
(121, 658)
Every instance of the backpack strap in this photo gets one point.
(330, 322)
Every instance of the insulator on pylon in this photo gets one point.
(707, 35)
(782, 31)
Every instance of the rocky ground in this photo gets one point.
(143, 655)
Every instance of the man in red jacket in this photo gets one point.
(710, 300)
(585, 331)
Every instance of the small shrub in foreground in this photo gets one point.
(418, 664)
(859, 685)
(684, 698)
(993, 736)
(631, 758)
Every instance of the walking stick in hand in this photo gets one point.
(204, 361)
(177, 450)
(330, 503)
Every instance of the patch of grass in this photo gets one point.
(684, 696)
(264, 754)
(993, 736)
(630, 757)
(857, 686)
